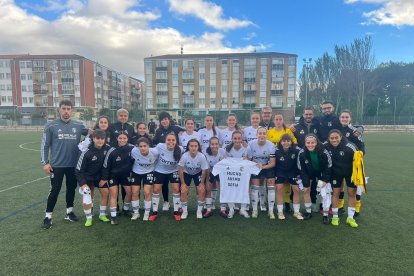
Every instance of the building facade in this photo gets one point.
(206, 83)
(37, 83)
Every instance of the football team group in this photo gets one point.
(312, 160)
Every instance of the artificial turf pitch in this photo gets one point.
(381, 245)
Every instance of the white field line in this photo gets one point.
(25, 183)
(22, 146)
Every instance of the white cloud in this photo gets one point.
(117, 37)
(391, 12)
(210, 13)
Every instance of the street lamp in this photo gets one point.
(306, 63)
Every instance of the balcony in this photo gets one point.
(161, 68)
(67, 80)
(250, 80)
(68, 92)
(162, 105)
(277, 92)
(161, 81)
(162, 93)
(249, 105)
(188, 80)
(249, 93)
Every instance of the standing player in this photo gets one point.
(307, 124)
(166, 171)
(214, 154)
(209, 130)
(141, 132)
(226, 134)
(188, 134)
(193, 167)
(314, 163)
(250, 133)
(262, 152)
(142, 174)
(286, 172)
(88, 173)
(61, 137)
(116, 171)
(342, 153)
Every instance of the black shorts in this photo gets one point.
(286, 180)
(165, 178)
(142, 179)
(336, 182)
(118, 180)
(192, 177)
(266, 173)
(213, 178)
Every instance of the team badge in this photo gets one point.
(111, 181)
(347, 134)
(315, 131)
(306, 162)
(73, 130)
(94, 158)
(334, 182)
(341, 153)
(329, 124)
(118, 158)
(293, 156)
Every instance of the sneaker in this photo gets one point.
(230, 214)
(298, 215)
(166, 206)
(135, 216)
(114, 220)
(236, 207)
(271, 215)
(255, 214)
(325, 220)
(103, 218)
(47, 223)
(88, 222)
(244, 214)
(351, 222)
(184, 215)
(307, 216)
(199, 215)
(71, 217)
(263, 208)
(153, 217)
(208, 214)
(280, 216)
(177, 216)
(223, 214)
(357, 216)
(127, 213)
(335, 221)
(341, 211)
(146, 216)
(287, 207)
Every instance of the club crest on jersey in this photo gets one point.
(94, 158)
(118, 158)
(334, 182)
(329, 124)
(293, 156)
(111, 181)
(347, 134)
(341, 153)
(315, 131)
(73, 130)
(306, 162)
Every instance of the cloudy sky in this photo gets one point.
(120, 33)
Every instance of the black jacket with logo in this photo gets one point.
(306, 170)
(90, 162)
(118, 162)
(303, 129)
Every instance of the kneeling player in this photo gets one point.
(142, 174)
(88, 173)
(193, 166)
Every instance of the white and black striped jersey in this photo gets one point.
(250, 134)
(166, 163)
(185, 137)
(194, 165)
(144, 164)
(261, 154)
(205, 135)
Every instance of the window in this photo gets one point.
(202, 76)
(212, 89)
(29, 88)
(202, 101)
(161, 75)
(24, 89)
(29, 76)
(291, 87)
(22, 76)
(277, 101)
(9, 99)
(201, 63)
(3, 99)
(76, 64)
(175, 64)
(28, 64)
(8, 76)
(291, 74)
(22, 64)
(30, 99)
(24, 100)
(2, 87)
(9, 87)
(1, 76)
(292, 61)
(202, 89)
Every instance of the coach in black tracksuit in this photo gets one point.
(313, 164)
(304, 127)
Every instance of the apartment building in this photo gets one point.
(206, 83)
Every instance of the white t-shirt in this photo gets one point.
(144, 164)
(212, 160)
(193, 165)
(234, 176)
(205, 136)
(261, 154)
(166, 163)
(185, 137)
(225, 137)
(250, 134)
(240, 153)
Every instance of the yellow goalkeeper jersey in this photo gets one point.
(274, 135)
